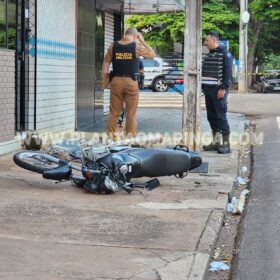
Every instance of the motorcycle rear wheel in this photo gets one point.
(36, 161)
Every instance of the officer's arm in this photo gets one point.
(143, 49)
(105, 75)
(227, 71)
(105, 68)
(107, 60)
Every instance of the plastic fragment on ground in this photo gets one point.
(214, 266)
(231, 205)
(241, 181)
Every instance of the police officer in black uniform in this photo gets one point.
(141, 74)
(216, 79)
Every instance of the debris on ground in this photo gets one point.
(239, 207)
(232, 204)
(241, 181)
(216, 253)
(214, 266)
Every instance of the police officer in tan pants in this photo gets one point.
(124, 55)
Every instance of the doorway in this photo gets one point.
(85, 63)
(26, 22)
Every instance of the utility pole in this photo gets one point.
(192, 74)
(243, 47)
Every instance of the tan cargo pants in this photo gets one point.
(123, 91)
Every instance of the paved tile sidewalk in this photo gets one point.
(167, 120)
(57, 231)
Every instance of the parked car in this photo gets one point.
(269, 82)
(154, 71)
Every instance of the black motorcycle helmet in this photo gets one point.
(32, 141)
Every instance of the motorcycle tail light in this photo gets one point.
(196, 160)
(88, 175)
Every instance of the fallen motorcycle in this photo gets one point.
(106, 169)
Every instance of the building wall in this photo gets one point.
(56, 85)
(7, 95)
(7, 102)
(109, 38)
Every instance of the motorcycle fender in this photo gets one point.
(59, 173)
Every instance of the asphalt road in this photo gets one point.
(259, 253)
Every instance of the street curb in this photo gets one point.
(197, 272)
(206, 244)
(208, 238)
(213, 229)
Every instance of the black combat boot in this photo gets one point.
(214, 146)
(225, 148)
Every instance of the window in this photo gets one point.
(150, 63)
(99, 44)
(8, 24)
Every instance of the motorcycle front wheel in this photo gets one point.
(36, 161)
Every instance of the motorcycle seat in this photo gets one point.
(161, 162)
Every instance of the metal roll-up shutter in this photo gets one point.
(109, 38)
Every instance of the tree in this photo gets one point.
(222, 16)
(160, 30)
(264, 28)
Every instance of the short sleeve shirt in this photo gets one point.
(140, 51)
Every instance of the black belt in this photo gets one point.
(134, 78)
(123, 76)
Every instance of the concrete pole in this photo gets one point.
(192, 74)
(246, 49)
(242, 74)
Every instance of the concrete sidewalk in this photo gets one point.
(57, 231)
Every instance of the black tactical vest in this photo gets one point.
(125, 62)
(212, 68)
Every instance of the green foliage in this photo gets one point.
(271, 62)
(268, 42)
(265, 10)
(160, 30)
(11, 38)
(8, 24)
(266, 13)
(222, 17)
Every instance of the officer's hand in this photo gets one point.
(221, 94)
(140, 38)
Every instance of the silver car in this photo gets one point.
(154, 71)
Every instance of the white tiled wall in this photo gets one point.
(56, 65)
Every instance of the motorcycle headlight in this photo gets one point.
(124, 169)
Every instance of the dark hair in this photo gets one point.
(213, 34)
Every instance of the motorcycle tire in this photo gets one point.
(36, 161)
